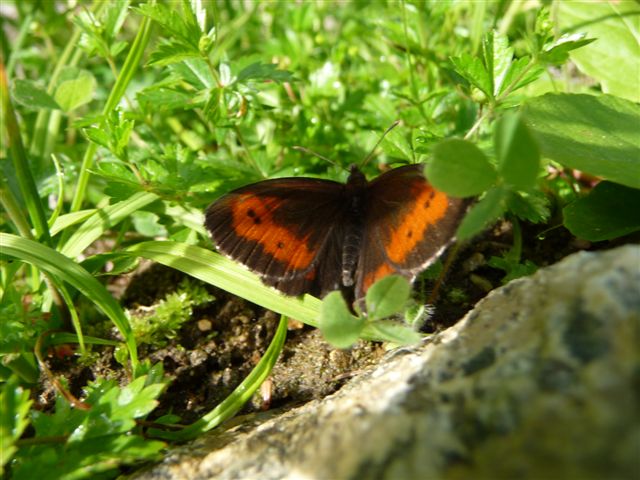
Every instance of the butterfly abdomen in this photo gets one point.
(354, 229)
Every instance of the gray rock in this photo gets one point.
(540, 381)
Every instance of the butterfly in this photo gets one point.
(308, 235)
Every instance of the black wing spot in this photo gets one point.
(280, 245)
(410, 234)
(427, 204)
(252, 214)
(432, 193)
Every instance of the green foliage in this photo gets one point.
(116, 136)
(609, 211)
(594, 134)
(386, 298)
(339, 327)
(85, 443)
(613, 59)
(14, 410)
(170, 314)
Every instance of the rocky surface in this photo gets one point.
(540, 380)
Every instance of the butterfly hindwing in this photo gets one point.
(272, 227)
(408, 223)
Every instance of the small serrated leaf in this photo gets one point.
(474, 71)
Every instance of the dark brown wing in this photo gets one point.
(408, 224)
(289, 231)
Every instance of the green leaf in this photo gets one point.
(395, 332)
(517, 74)
(497, 59)
(513, 269)
(178, 24)
(14, 409)
(609, 211)
(473, 70)
(486, 211)
(32, 96)
(395, 144)
(97, 135)
(517, 152)
(73, 93)
(597, 135)
(147, 224)
(163, 99)
(102, 220)
(387, 297)
(168, 53)
(339, 327)
(100, 439)
(532, 206)
(558, 52)
(460, 168)
(613, 59)
(264, 72)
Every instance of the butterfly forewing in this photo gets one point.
(272, 227)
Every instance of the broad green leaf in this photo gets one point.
(595, 134)
(73, 93)
(32, 96)
(387, 296)
(339, 327)
(460, 168)
(486, 211)
(613, 59)
(608, 211)
(517, 152)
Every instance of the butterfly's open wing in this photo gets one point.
(288, 230)
(408, 224)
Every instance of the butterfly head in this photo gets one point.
(356, 177)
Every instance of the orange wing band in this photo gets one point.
(253, 220)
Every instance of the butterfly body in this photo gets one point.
(306, 235)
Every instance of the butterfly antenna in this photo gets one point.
(368, 157)
(311, 152)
